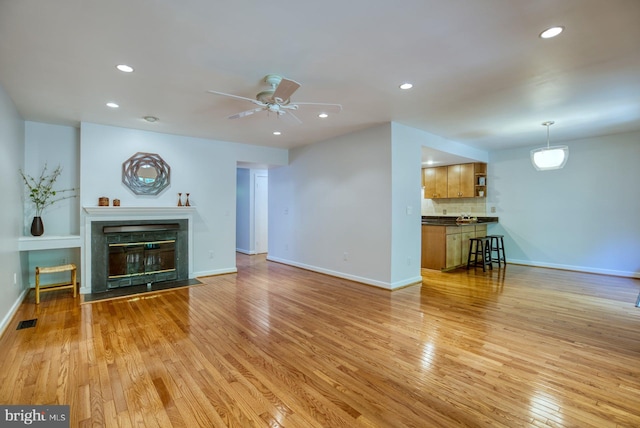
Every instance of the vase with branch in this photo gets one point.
(42, 194)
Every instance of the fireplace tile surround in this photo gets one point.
(143, 231)
(96, 218)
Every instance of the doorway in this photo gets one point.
(252, 206)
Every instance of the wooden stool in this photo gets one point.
(60, 286)
(497, 246)
(481, 254)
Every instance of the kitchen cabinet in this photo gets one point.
(447, 247)
(435, 182)
(461, 181)
(457, 245)
(466, 180)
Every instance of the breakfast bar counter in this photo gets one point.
(445, 240)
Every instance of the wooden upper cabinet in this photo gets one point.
(467, 180)
(435, 182)
(461, 181)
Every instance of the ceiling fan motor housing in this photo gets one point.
(265, 96)
(273, 80)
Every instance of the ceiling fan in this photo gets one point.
(278, 99)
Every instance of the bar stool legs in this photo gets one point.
(497, 247)
(480, 255)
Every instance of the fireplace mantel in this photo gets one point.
(101, 214)
(137, 211)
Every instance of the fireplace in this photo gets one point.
(128, 253)
(141, 254)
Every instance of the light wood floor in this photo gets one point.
(279, 346)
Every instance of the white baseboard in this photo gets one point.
(584, 269)
(240, 250)
(363, 280)
(12, 311)
(215, 272)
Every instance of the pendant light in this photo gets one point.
(550, 157)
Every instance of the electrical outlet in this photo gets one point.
(493, 209)
(408, 261)
(345, 257)
(444, 212)
(15, 278)
(409, 210)
(210, 254)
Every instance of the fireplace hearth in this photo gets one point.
(131, 253)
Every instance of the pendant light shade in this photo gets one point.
(550, 157)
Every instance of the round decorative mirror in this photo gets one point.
(146, 174)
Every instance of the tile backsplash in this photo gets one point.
(455, 207)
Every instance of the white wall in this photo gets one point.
(406, 191)
(11, 224)
(53, 145)
(334, 202)
(582, 217)
(204, 168)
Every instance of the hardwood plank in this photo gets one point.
(278, 346)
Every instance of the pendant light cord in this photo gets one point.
(548, 124)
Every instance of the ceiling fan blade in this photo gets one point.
(289, 114)
(336, 108)
(245, 113)
(238, 97)
(285, 89)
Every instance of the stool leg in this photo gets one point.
(504, 256)
(484, 255)
(37, 286)
(469, 255)
(487, 252)
(495, 247)
(73, 281)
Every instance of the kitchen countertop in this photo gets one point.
(451, 221)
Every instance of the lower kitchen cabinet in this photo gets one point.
(447, 247)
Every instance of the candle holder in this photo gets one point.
(179, 199)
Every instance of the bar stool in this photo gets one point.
(481, 253)
(59, 286)
(497, 247)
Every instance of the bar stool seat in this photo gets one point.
(497, 247)
(59, 286)
(480, 255)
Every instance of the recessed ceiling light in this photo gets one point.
(277, 133)
(406, 85)
(112, 105)
(124, 68)
(151, 119)
(323, 115)
(551, 32)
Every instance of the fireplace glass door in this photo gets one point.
(140, 259)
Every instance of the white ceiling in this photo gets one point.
(481, 74)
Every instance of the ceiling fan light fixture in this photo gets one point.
(277, 133)
(550, 157)
(323, 115)
(151, 119)
(551, 32)
(112, 105)
(406, 85)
